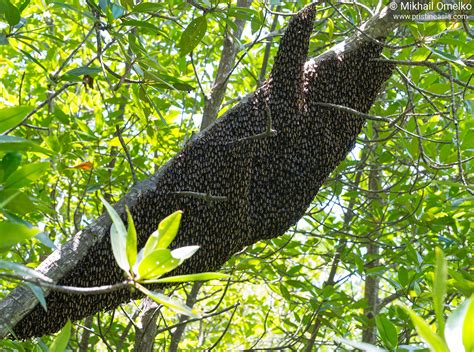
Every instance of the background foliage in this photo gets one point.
(96, 95)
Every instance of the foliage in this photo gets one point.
(458, 333)
(97, 94)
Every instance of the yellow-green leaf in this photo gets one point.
(166, 301)
(434, 341)
(12, 116)
(131, 239)
(11, 234)
(439, 288)
(167, 231)
(192, 35)
(60, 342)
(190, 278)
(26, 175)
(155, 264)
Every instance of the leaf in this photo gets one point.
(166, 81)
(189, 278)
(434, 341)
(167, 231)
(12, 116)
(24, 271)
(117, 10)
(156, 264)
(11, 234)
(14, 143)
(80, 71)
(6, 199)
(330, 28)
(439, 288)
(148, 7)
(11, 13)
(468, 327)
(3, 39)
(242, 13)
(60, 342)
(360, 345)
(10, 163)
(459, 332)
(446, 56)
(39, 294)
(166, 301)
(131, 239)
(387, 331)
(184, 253)
(142, 24)
(26, 175)
(118, 237)
(192, 35)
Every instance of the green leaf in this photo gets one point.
(13, 143)
(439, 288)
(117, 10)
(468, 327)
(103, 4)
(242, 13)
(330, 29)
(24, 271)
(148, 7)
(166, 301)
(131, 239)
(167, 231)
(446, 56)
(435, 342)
(26, 175)
(7, 197)
(118, 237)
(459, 332)
(79, 71)
(10, 163)
(39, 294)
(11, 234)
(12, 116)
(11, 13)
(166, 81)
(60, 342)
(142, 24)
(192, 35)
(3, 39)
(189, 278)
(363, 346)
(155, 264)
(387, 331)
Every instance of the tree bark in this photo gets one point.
(212, 103)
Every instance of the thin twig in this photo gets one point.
(71, 289)
(456, 128)
(21, 87)
(40, 106)
(355, 112)
(224, 332)
(197, 319)
(71, 55)
(127, 154)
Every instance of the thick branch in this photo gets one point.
(213, 102)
